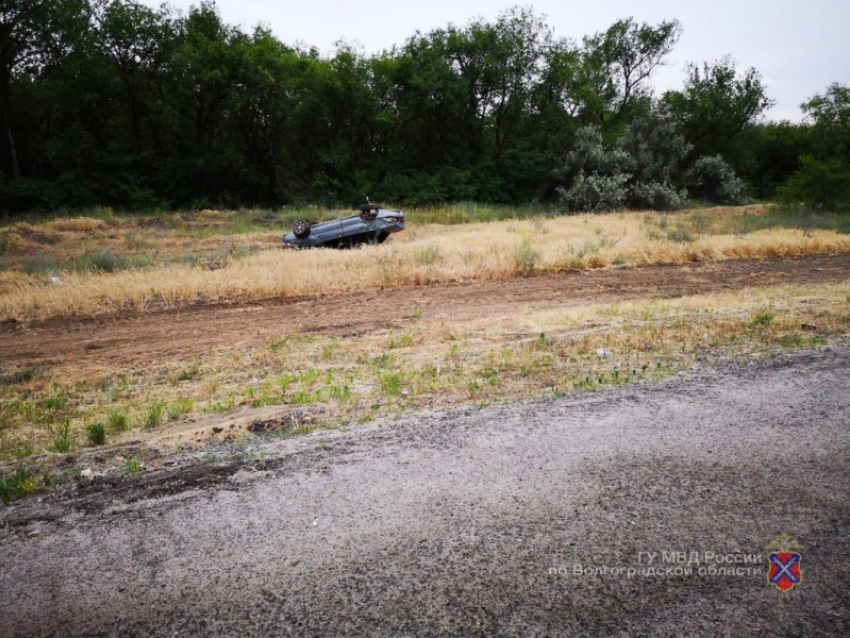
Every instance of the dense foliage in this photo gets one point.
(112, 102)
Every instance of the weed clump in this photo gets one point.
(132, 465)
(153, 417)
(96, 433)
(20, 483)
(60, 437)
(763, 318)
(117, 421)
(526, 258)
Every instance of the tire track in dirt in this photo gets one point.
(139, 338)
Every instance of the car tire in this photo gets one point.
(301, 229)
(369, 215)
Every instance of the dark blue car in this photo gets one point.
(372, 224)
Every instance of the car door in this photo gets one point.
(328, 231)
(352, 226)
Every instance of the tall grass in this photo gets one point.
(429, 252)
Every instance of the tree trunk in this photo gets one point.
(6, 91)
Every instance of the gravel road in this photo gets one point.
(472, 522)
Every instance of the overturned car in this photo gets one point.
(372, 224)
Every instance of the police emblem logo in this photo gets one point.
(785, 570)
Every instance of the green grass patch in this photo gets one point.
(132, 465)
(154, 414)
(96, 433)
(20, 483)
(60, 437)
(117, 421)
(763, 318)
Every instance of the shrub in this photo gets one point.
(596, 192)
(656, 196)
(712, 179)
(822, 185)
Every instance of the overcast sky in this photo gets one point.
(800, 47)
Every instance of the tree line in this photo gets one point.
(112, 102)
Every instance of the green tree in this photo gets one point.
(716, 104)
(822, 181)
(820, 184)
(622, 60)
(829, 114)
(34, 34)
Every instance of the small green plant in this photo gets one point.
(277, 345)
(526, 258)
(791, 341)
(179, 408)
(96, 433)
(224, 405)
(56, 402)
(20, 483)
(305, 398)
(153, 417)
(701, 221)
(404, 340)
(132, 465)
(60, 437)
(390, 384)
(188, 373)
(342, 393)
(24, 451)
(382, 360)
(680, 234)
(117, 421)
(763, 318)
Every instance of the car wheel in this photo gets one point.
(369, 215)
(301, 229)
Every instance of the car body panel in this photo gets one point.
(350, 231)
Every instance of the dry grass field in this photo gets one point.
(88, 266)
(195, 355)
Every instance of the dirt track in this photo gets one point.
(452, 522)
(146, 337)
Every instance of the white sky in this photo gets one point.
(800, 47)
